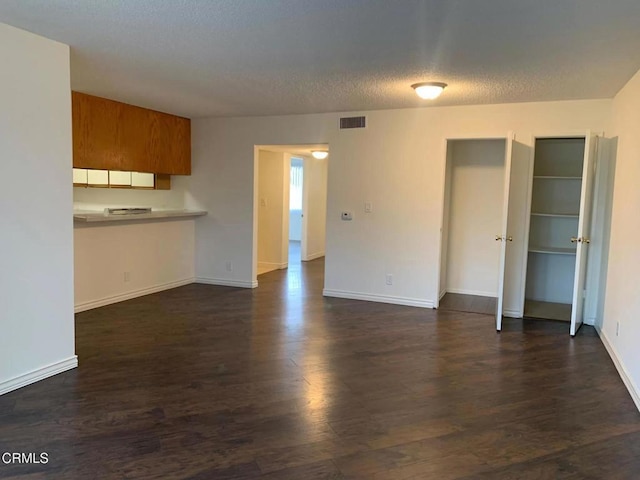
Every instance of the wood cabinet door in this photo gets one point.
(96, 130)
(170, 145)
(178, 150)
(137, 138)
(110, 135)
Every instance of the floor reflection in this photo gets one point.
(294, 271)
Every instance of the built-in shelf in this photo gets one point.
(555, 205)
(555, 177)
(552, 250)
(99, 217)
(559, 215)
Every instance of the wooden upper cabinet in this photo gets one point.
(115, 136)
(96, 126)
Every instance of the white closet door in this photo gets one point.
(582, 239)
(503, 237)
(597, 255)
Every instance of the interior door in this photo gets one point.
(582, 239)
(597, 256)
(503, 237)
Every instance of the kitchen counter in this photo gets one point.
(92, 217)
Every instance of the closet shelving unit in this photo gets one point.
(553, 227)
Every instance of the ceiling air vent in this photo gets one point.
(353, 122)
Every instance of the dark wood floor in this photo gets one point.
(469, 303)
(205, 382)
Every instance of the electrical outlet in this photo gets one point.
(127, 277)
(389, 279)
(617, 329)
(229, 266)
(368, 208)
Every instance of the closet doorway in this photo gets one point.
(560, 227)
(474, 222)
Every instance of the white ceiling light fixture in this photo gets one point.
(320, 154)
(429, 90)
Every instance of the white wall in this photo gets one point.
(622, 303)
(100, 260)
(475, 216)
(154, 255)
(36, 283)
(315, 206)
(222, 182)
(396, 163)
(273, 210)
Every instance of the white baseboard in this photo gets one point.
(82, 307)
(634, 391)
(590, 321)
(265, 267)
(442, 294)
(38, 374)
(478, 293)
(369, 297)
(226, 282)
(313, 256)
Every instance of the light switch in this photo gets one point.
(263, 202)
(368, 208)
(346, 216)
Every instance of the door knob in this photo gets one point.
(510, 238)
(585, 240)
(574, 239)
(498, 238)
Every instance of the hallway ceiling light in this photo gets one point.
(320, 154)
(429, 90)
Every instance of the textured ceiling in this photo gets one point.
(262, 57)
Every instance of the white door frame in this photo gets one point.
(305, 208)
(284, 247)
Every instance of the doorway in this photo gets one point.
(568, 228)
(296, 216)
(290, 201)
(473, 220)
(555, 212)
